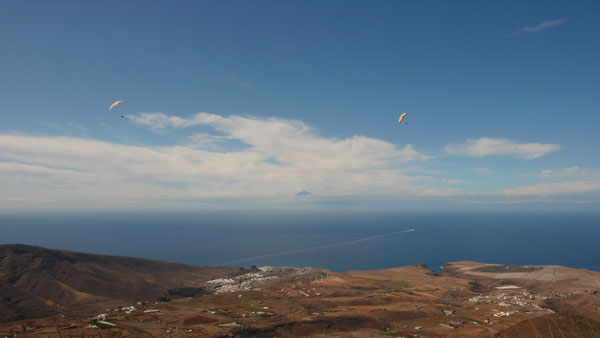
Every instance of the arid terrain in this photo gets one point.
(84, 295)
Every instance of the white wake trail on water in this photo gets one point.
(318, 247)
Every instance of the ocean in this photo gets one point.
(336, 241)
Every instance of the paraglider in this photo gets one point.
(116, 104)
(402, 118)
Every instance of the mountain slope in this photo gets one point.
(36, 281)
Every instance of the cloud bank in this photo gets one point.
(245, 160)
(571, 172)
(556, 188)
(278, 158)
(504, 147)
(571, 180)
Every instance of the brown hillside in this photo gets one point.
(556, 325)
(37, 282)
(466, 299)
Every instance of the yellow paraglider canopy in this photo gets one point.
(401, 118)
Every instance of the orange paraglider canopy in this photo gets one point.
(115, 104)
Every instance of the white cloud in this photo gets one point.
(439, 192)
(281, 158)
(40, 174)
(290, 141)
(481, 171)
(543, 26)
(559, 182)
(204, 140)
(14, 167)
(557, 188)
(570, 172)
(495, 146)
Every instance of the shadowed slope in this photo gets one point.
(36, 282)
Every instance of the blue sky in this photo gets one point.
(248, 103)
